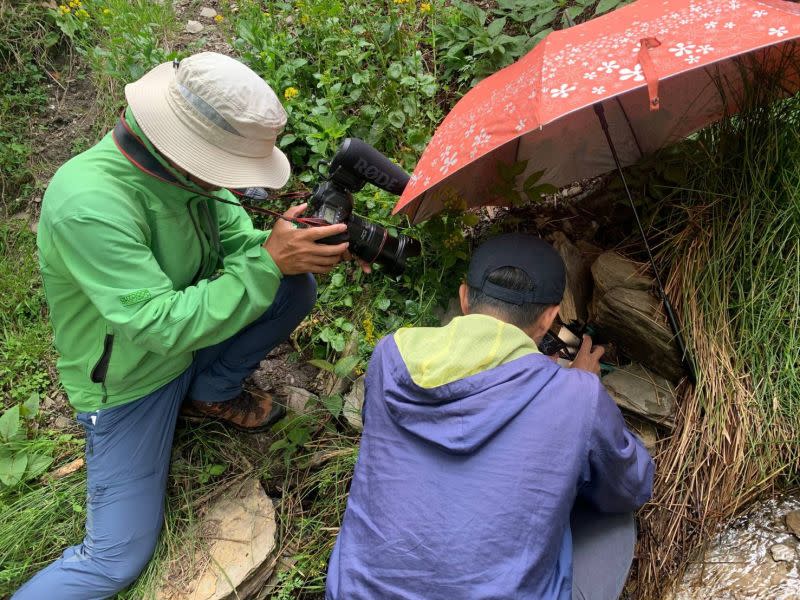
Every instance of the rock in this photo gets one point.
(578, 292)
(645, 430)
(636, 389)
(738, 562)
(63, 422)
(239, 534)
(297, 398)
(353, 403)
(783, 553)
(611, 270)
(793, 522)
(208, 13)
(634, 321)
(194, 27)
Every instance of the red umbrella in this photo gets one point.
(652, 72)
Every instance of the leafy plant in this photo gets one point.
(19, 460)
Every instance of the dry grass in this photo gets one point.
(736, 251)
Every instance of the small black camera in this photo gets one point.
(355, 164)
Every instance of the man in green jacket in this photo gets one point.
(161, 291)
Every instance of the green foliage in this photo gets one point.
(25, 40)
(343, 72)
(25, 337)
(20, 459)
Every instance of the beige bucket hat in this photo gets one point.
(214, 117)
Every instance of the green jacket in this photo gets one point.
(139, 274)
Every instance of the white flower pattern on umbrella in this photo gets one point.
(448, 159)
(470, 130)
(693, 59)
(705, 49)
(608, 66)
(778, 31)
(600, 89)
(729, 25)
(635, 74)
(711, 25)
(734, 5)
(590, 75)
(757, 14)
(682, 49)
(563, 91)
(520, 125)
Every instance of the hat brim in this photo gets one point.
(147, 98)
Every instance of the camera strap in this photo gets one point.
(133, 148)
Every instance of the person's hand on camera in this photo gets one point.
(365, 266)
(588, 357)
(297, 251)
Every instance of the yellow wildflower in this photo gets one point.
(369, 329)
(82, 14)
(425, 7)
(290, 92)
(219, 18)
(304, 19)
(64, 9)
(400, 1)
(75, 3)
(106, 11)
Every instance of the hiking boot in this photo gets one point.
(251, 411)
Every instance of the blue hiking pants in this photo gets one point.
(602, 552)
(128, 450)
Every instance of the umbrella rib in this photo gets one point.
(671, 318)
(630, 126)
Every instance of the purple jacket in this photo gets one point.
(464, 490)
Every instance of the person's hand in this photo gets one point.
(588, 357)
(297, 251)
(365, 266)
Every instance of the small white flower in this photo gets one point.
(509, 108)
(608, 66)
(682, 49)
(685, 21)
(734, 4)
(778, 31)
(426, 181)
(705, 49)
(695, 8)
(599, 90)
(590, 75)
(448, 160)
(635, 74)
(711, 25)
(469, 131)
(481, 139)
(563, 91)
(757, 14)
(570, 62)
(692, 59)
(729, 25)
(520, 125)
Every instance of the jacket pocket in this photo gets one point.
(100, 369)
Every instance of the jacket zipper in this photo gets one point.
(100, 370)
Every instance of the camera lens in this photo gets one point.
(373, 243)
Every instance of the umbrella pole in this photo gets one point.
(673, 322)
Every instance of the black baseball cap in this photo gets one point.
(538, 259)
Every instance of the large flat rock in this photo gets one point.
(634, 320)
(239, 530)
(643, 393)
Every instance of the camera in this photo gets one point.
(355, 164)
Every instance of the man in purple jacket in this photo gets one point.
(486, 470)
